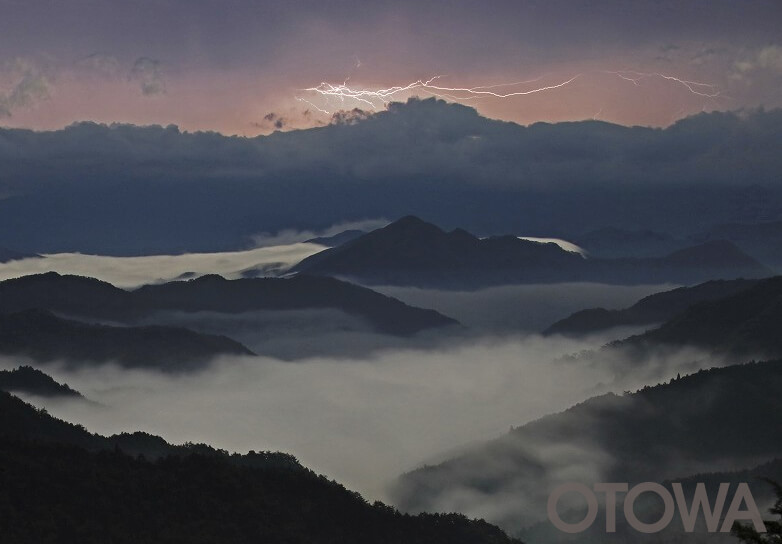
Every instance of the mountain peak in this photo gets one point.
(712, 253)
(411, 223)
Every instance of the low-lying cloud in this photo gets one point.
(292, 236)
(521, 307)
(131, 272)
(361, 421)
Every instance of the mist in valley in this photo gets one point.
(361, 407)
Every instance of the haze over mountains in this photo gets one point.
(698, 423)
(83, 321)
(31, 381)
(760, 240)
(42, 336)
(747, 324)
(708, 421)
(234, 497)
(85, 187)
(655, 308)
(379, 384)
(90, 298)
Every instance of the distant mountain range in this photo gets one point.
(93, 299)
(26, 379)
(718, 419)
(613, 243)
(413, 252)
(653, 309)
(42, 336)
(760, 240)
(182, 325)
(745, 324)
(58, 479)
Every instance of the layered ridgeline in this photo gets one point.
(612, 242)
(649, 310)
(413, 252)
(760, 240)
(42, 336)
(746, 324)
(49, 316)
(31, 381)
(721, 322)
(718, 419)
(61, 483)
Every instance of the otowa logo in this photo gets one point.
(689, 514)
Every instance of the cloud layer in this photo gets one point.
(122, 189)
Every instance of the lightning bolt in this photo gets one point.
(300, 99)
(707, 90)
(376, 98)
(336, 96)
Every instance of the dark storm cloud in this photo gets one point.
(230, 27)
(541, 180)
(272, 120)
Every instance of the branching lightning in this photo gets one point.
(336, 96)
(377, 98)
(707, 90)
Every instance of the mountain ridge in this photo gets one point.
(649, 310)
(700, 422)
(413, 252)
(82, 297)
(61, 480)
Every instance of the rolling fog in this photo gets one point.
(128, 272)
(362, 422)
(355, 405)
(371, 408)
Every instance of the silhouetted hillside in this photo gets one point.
(761, 240)
(54, 490)
(42, 336)
(746, 324)
(652, 309)
(413, 252)
(21, 421)
(717, 419)
(90, 298)
(26, 379)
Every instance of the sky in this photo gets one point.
(252, 67)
